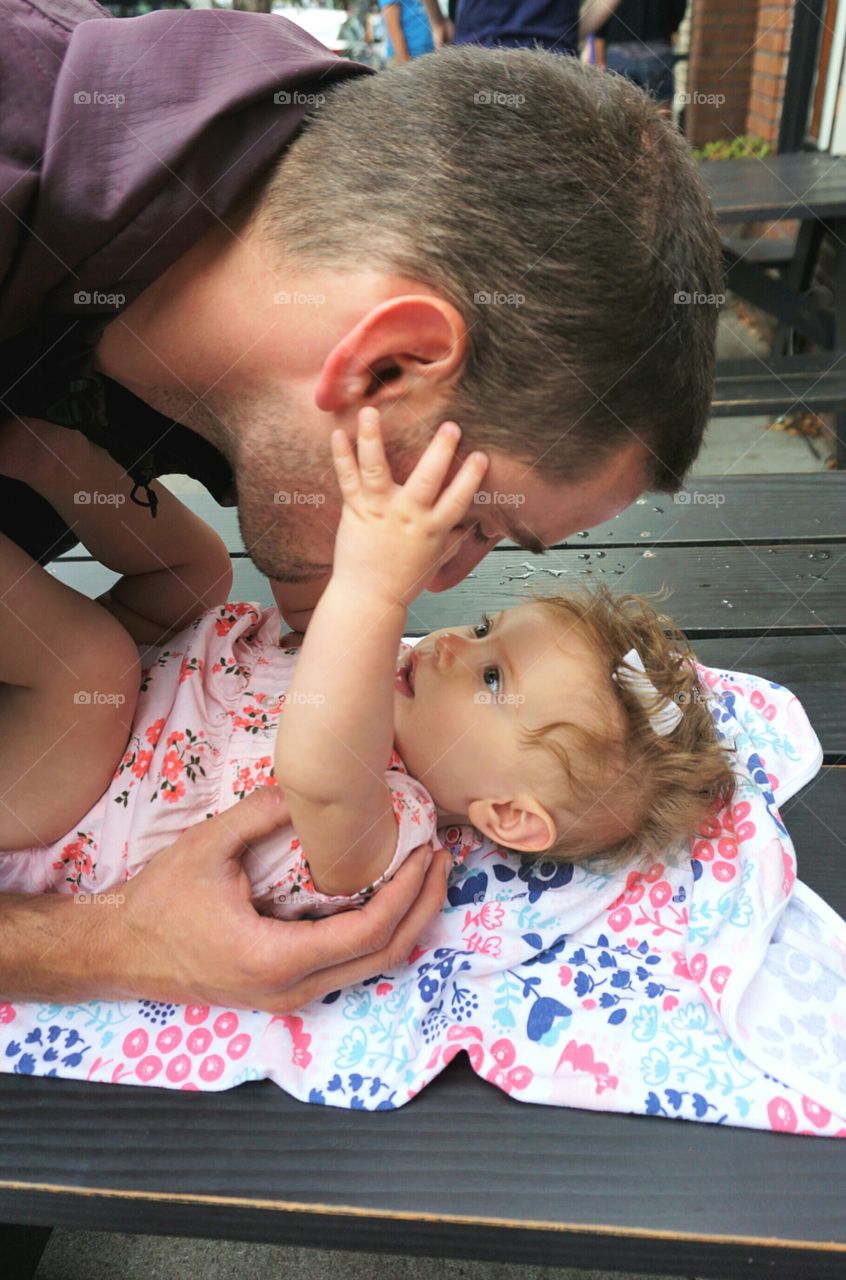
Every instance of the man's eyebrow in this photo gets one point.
(524, 539)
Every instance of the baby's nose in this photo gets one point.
(447, 647)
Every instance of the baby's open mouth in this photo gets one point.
(404, 681)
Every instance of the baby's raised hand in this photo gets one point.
(391, 537)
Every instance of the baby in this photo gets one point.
(538, 725)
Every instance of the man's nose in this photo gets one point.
(468, 551)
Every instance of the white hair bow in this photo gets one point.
(668, 714)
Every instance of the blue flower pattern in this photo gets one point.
(527, 971)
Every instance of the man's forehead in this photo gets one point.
(551, 511)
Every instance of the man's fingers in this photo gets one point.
(405, 929)
(227, 833)
(426, 907)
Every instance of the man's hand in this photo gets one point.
(188, 932)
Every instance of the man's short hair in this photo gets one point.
(559, 212)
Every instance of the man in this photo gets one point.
(557, 25)
(200, 284)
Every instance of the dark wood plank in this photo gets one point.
(810, 663)
(780, 391)
(717, 591)
(615, 1190)
(812, 667)
(707, 1198)
(710, 509)
(799, 185)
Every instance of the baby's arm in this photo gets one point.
(175, 566)
(336, 731)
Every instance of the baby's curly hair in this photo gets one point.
(665, 786)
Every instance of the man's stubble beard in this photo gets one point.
(290, 541)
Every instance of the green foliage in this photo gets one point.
(744, 147)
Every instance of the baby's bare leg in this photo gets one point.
(69, 682)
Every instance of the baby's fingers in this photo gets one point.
(346, 469)
(451, 506)
(374, 473)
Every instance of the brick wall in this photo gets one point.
(722, 36)
(769, 67)
(738, 51)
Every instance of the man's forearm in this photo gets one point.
(55, 948)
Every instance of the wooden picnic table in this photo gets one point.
(758, 584)
(811, 187)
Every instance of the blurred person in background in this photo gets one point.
(637, 42)
(413, 28)
(557, 25)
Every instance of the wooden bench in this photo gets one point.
(758, 570)
(811, 187)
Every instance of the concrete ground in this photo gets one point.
(84, 1255)
(732, 446)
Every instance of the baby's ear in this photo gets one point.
(522, 824)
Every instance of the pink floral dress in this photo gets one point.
(202, 739)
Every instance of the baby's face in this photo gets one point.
(476, 688)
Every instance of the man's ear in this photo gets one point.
(398, 343)
(522, 824)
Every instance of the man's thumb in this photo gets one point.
(257, 815)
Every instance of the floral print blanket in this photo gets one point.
(709, 986)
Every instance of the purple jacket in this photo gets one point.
(122, 140)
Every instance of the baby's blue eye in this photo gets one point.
(494, 671)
